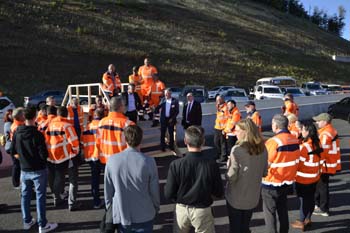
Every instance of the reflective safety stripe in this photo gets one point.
(307, 175)
(58, 161)
(89, 144)
(113, 143)
(288, 182)
(286, 164)
(278, 141)
(330, 165)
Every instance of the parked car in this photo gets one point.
(295, 91)
(313, 88)
(175, 91)
(341, 109)
(267, 92)
(333, 88)
(39, 99)
(346, 88)
(213, 93)
(5, 104)
(200, 93)
(236, 94)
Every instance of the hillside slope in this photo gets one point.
(50, 44)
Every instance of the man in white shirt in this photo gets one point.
(169, 109)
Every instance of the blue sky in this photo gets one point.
(331, 7)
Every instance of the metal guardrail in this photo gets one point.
(92, 90)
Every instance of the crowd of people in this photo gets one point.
(48, 145)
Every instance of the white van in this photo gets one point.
(281, 81)
(267, 92)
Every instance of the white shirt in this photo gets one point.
(167, 107)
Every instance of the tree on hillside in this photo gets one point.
(316, 17)
(341, 19)
(296, 8)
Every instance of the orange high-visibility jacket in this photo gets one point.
(330, 144)
(146, 73)
(110, 136)
(221, 116)
(89, 141)
(137, 80)
(111, 82)
(43, 126)
(256, 118)
(61, 140)
(291, 107)
(157, 90)
(14, 126)
(70, 116)
(294, 130)
(283, 157)
(40, 118)
(233, 117)
(309, 168)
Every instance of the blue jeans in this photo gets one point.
(39, 179)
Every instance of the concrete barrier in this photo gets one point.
(308, 107)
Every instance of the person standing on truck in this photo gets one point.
(111, 81)
(289, 105)
(147, 72)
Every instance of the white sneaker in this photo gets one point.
(27, 226)
(48, 227)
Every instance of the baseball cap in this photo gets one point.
(250, 103)
(323, 117)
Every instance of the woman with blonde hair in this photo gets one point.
(246, 166)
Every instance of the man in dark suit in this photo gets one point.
(191, 112)
(132, 103)
(169, 109)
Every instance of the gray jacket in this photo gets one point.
(244, 178)
(131, 187)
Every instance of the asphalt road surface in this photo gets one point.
(87, 219)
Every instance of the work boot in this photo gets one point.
(298, 225)
(307, 223)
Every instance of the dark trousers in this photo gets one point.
(56, 177)
(231, 141)
(220, 144)
(132, 116)
(239, 219)
(145, 227)
(306, 194)
(164, 126)
(16, 172)
(73, 184)
(322, 193)
(275, 200)
(95, 181)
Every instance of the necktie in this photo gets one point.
(188, 110)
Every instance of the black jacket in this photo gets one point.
(193, 180)
(30, 145)
(138, 104)
(194, 115)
